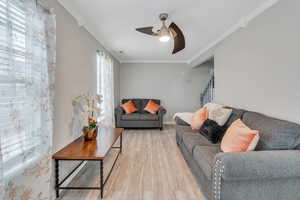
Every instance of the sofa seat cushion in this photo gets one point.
(204, 157)
(192, 139)
(275, 134)
(181, 130)
(131, 117)
(149, 117)
(138, 117)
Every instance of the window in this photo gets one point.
(99, 73)
(105, 88)
(20, 116)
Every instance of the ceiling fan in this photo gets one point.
(165, 33)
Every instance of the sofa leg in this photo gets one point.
(161, 128)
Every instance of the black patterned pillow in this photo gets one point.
(212, 131)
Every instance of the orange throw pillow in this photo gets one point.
(152, 107)
(129, 107)
(239, 138)
(199, 117)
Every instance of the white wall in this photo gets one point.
(177, 85)
(258, 67)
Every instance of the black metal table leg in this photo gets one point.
(121, 142)
(57, 178)
(101, 179)
(58, 185)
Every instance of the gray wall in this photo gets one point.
(258, 67)
(177, 85)
(76, 69)
(75, 74)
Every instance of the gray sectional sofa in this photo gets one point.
(141, 118)
(271, 172)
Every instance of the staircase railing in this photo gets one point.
(208, 93)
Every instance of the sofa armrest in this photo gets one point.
(118, 113)
(179, 121)
(258, 165)
(162, 111)
(119, 110)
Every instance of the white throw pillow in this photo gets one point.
(212, 106)
(187, 117)
(219, 115)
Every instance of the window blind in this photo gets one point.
(20, 120)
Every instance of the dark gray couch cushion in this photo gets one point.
(138, 116)
(204, 156)
(181, 130)
(275, 134)
(131, 117)
(148, 117)
(193, 138)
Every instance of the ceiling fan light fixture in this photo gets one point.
(164, 38)
(164, 34)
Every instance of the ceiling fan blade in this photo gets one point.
(147, 30)
(179, 41)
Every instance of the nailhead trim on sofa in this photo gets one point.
(218, 172)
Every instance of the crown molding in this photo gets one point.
(154, 61)
(196, 59)
(243, 22)
(88, 27)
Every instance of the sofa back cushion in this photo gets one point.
(275, 134)
(235, 114)
(141, 103)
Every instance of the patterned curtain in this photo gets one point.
(105, 88)
(27, 67)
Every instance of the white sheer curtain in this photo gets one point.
(27, 64)
(105, 87)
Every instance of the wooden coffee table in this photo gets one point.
(88, 151)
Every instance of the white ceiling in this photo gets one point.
(203, 22)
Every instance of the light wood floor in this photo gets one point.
(150, 168)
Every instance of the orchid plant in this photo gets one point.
(89, 109)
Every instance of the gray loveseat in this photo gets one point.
(271, 172)
(141, 118)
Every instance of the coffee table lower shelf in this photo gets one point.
(102, 181)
